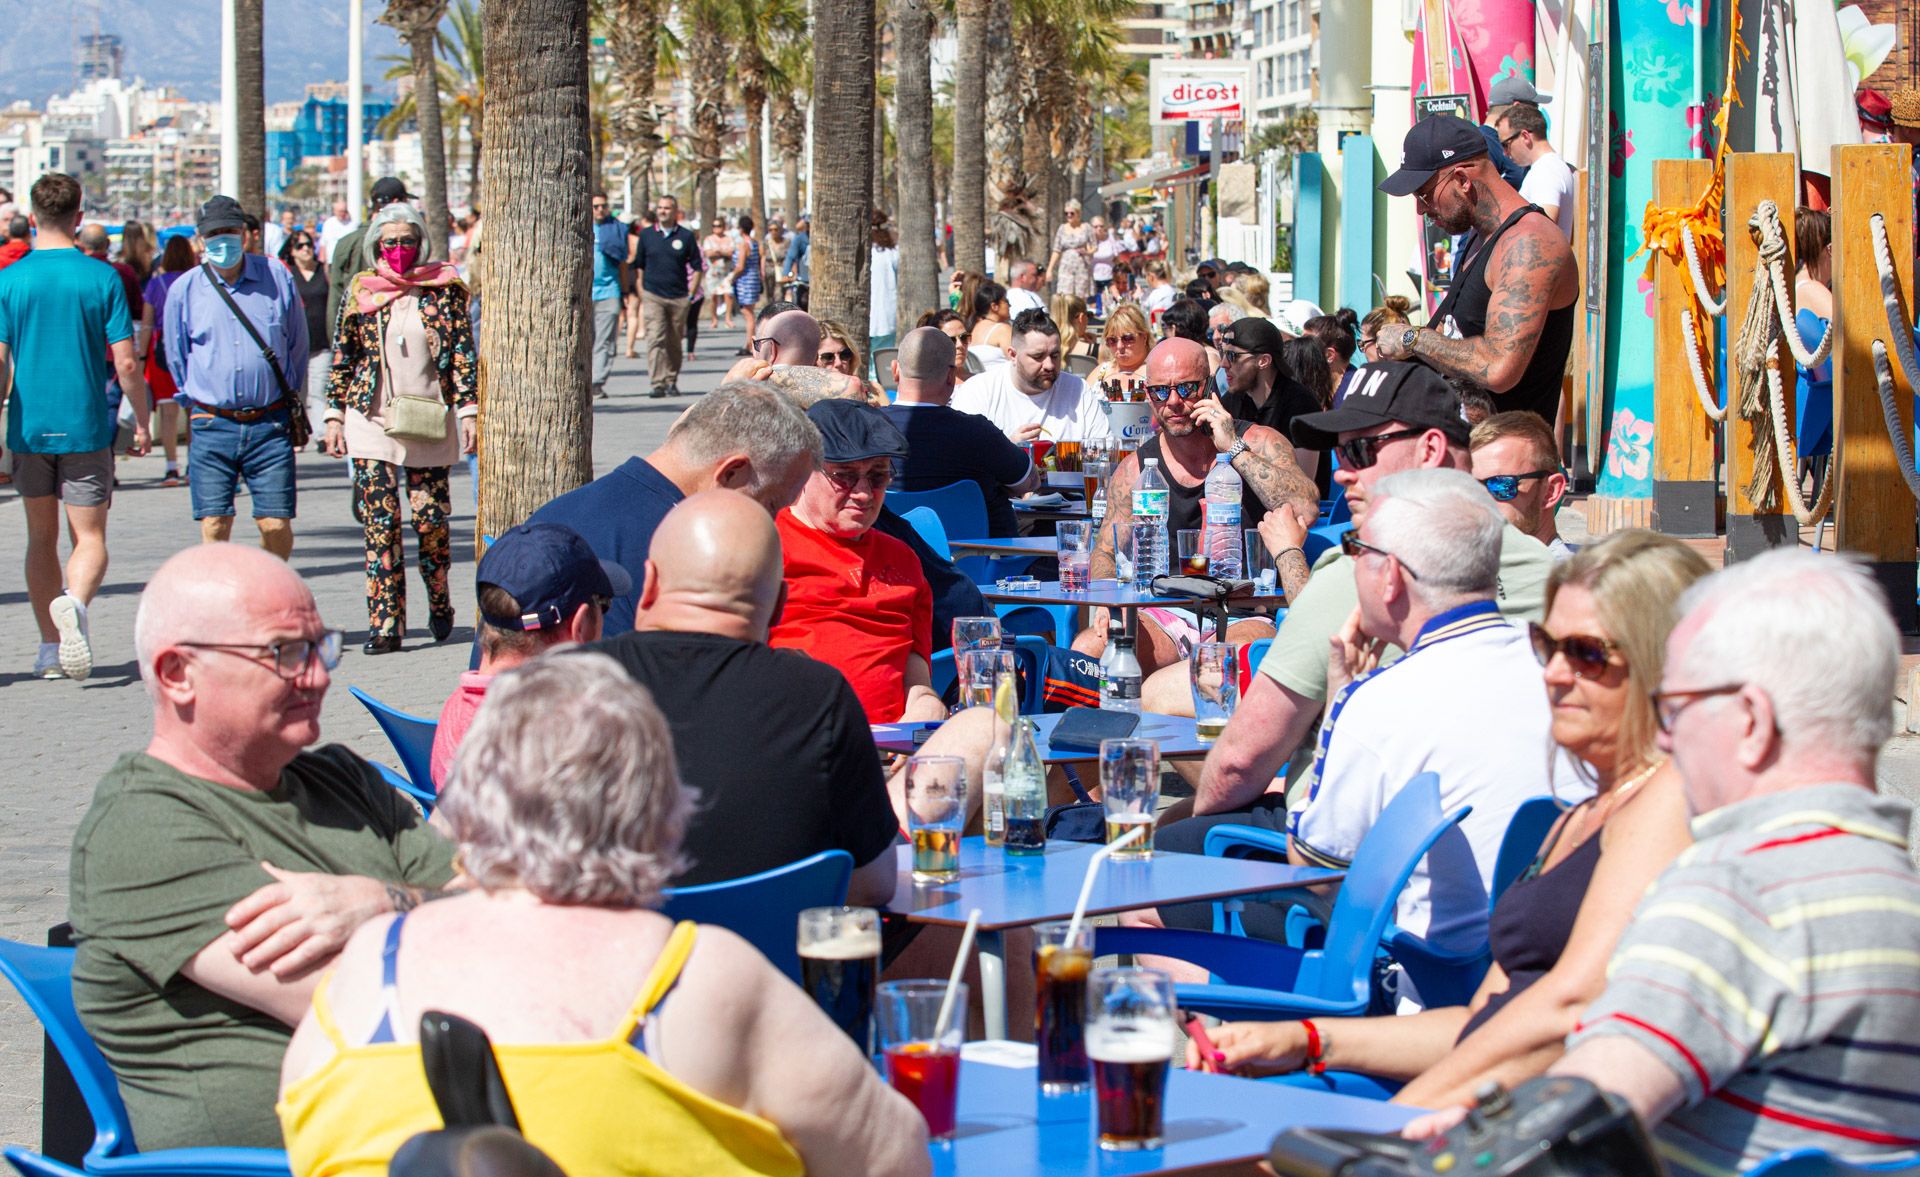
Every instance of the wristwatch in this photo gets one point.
(1238, 447)
(1406, 338)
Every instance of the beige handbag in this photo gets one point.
(417, 418)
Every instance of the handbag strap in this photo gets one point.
(266, 353)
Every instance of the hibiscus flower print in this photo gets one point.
(1656, 75)
(1630, 447)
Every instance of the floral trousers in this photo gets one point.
(376, 485)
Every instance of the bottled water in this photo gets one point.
(1150, 506)
(1220, 535)
(1120, 676)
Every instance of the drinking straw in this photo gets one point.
(953, 981)
(1093, 868)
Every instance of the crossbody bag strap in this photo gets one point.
(266, 353)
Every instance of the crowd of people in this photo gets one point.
(680, 663)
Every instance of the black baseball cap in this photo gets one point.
(1435, 142)
(1259, 336)
(550, 571)
(386, 190)
(852, 431)
(1385, 391)
(220, 214)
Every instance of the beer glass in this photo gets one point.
(1096, 465)
(936, 812)
(923, 1062)
(840, 965)
(1130, 790)
(1193, 557)
(1060, 969)
(979, 672)
(1132, 1026)
(971, 633)
(1215, 670)
(1066, 457)
(1076, 554)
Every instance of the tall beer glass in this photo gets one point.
(1130, 790)
(1131, 1032)
(840, 965)
(1060, 970)
(936, 813)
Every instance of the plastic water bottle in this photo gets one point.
(1120, 676)
(1220, 534)
(1150, 505)
(1024, 782)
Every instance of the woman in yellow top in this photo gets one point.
(629, 1045)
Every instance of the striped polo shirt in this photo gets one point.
(1775, 967)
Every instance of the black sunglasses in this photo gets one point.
(1186, 390)
(1586, 655)
(834, 357)
(1506, 487)
(1363, 452)
(1353, 545)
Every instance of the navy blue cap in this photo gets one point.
(853, 431)
(220, 214)
(550, 571)
(1435, 142)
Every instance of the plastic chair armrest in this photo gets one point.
(1443, 976)
(1235, 960)
(1224, 838)
(1242, 1001)
(427, 800)
(195, 1162)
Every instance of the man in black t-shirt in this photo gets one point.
(946, 445)
(663, 252)
(1259, 391)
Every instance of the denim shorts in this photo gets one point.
(224, 452)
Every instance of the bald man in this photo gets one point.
(945, 445)
(219, 871)
(785, 352)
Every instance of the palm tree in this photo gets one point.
(790, 121)
(1009, 208)
(633, 38)
(843, 101)
(968, 194)
(760, 29)
(250, 107)
(461, 67)
(418, 23)
(708, 57)
(913, 126)
(536, 424)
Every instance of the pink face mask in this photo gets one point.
(400, 257)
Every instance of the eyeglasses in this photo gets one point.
(303, 245)
(1353, 545)
(1363, 452)
(1186, 390)
(1506, 487)
(1510, 138)
(289, 657)
(1125, 338)
(1369, 342)
(834, 357)
(851, 483)
(1586, 656)
(755, 343)
(599, 204)
(1667, 705)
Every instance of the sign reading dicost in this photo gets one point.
(1180, 99)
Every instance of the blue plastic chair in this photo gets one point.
(44, 978)
(926, 523)
(960, 505)
(1322, 537)
(764, 909)
(411, 737)
(1262, 979)
(1526, 833)
(1815, 1162)
(1029, 654)
(32, 1164)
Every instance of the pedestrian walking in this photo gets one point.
(663, 254)
(746, 274)
(236, 342)
(301, 253)
(609, 254)
(176, 261)
(403, 366)
(62, 314)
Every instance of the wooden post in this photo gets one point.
(1752, 178)
(1686, 488)
(1874, 514)
(1573, 388)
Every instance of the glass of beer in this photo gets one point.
(1132, 1028)
(1076, 554)
(923, 1060)
(1060, 970)
(1130, 790)
(936, 812)
(1096, 464)
(840, 965)
(1066, 456)
(971, 633)
(1193, 557)
(979, 671)
(1215, 670)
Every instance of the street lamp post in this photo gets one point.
(229, 103)
(356, 109)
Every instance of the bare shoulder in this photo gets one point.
(1656, 819)
(1533, 249)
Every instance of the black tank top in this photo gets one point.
(1533, 921)
(1466, 304)
(1183, 502)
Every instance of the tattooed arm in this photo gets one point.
(1529, 267)
(1269, 468)
(1119, 511)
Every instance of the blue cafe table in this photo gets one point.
(1177, 735)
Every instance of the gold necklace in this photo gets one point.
(1617, 796)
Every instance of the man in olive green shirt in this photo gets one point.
(218, 871)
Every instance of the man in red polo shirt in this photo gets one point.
(856, 598)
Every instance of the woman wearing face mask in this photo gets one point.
(403, 369)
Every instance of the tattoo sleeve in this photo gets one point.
(408, 898)
(1294, 571)
(1276, 479)
(1119, 510)
(1522, 278)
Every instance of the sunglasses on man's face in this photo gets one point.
(1587, 656)
(850, 481)
(1186, 390)
(1363, 452)
(1506, 487)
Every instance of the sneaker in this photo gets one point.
(76, 653)
(47, 663)
(170, 478)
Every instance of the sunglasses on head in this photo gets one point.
(1353, 545)
(1587, 656)
(1363, 452)
(1506, 487)
(1186, 390)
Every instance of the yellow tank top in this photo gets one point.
(594, 1107)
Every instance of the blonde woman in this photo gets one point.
(1125, 341)
(839, 352)
(1071, 266)
(1070, 315)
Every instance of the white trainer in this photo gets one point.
(46, 664)
(76, 653)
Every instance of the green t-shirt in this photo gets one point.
(60, 311)
(1297, 660)
(157, 861)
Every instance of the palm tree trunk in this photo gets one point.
(1006, 195)
(250, 107)
(843, 101)
(756, 102)
(536, 427)
(433, 142)
(707, 88)
(913, 130)
(969, 186)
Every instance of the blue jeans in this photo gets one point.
(224, 452)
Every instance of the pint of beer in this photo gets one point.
(840, 966)
(1060, 971)
(1131, 1034)
(936, 813)
(1130, 790)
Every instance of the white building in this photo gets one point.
(1280, 38)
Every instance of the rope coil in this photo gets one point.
(1903, 346)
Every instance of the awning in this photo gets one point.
(1197, 174)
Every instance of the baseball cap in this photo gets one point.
(220, 214)
(550, 571)
(851, 431)
(1874, 108)
(1254, 335)
(386, 190)
(1434, 142)
(1384, 391)
(1514, 88)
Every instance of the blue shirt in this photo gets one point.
(210, 355)
(663, 259)
(617, 514)
(59, 312)
(609, 252)
(799, 260)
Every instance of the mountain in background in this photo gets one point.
(177, 43)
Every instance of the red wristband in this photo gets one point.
(1316, 1063)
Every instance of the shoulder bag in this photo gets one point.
(299, 425)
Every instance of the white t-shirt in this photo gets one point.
(1158, 299)
(1467, 704)
(1549, 184)
(883, 290)
(1024, 300)
(331, 231)
(272, 237)
(1069, 411)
